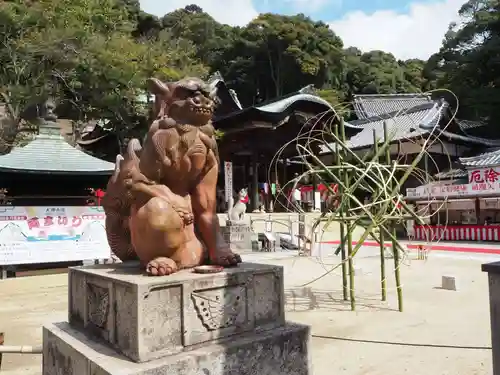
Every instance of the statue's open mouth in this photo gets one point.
(201, 110)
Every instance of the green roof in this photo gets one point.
(49, 153)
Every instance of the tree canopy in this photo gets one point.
(93, 57)
(469, 61)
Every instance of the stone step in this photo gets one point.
(280, 351)
(146, 318)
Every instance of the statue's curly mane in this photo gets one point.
(168, 140)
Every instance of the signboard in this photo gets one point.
(461, 190)
(228, 180)
(484, 175)
(52, 234)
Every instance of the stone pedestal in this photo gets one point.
(493, 270)
(238, 236)
(123, 322)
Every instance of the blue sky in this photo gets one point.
(332, 9)
(406, 28)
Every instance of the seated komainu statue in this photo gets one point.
(160, 202)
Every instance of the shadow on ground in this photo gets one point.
(308, 299)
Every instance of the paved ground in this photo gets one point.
(440, 332)
(456, 247)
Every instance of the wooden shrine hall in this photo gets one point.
(254, 136)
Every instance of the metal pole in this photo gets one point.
(21, 349)
(2, 335)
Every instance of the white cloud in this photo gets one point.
(307, 6)
(416, 34)
(232, 12)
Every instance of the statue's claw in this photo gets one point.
(225, 257)
(161, 266)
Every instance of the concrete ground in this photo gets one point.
(440, 332)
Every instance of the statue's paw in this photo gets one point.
(161, 266)
(225, 258)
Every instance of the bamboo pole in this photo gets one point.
(395, 248)
(383, 286)
(338, 161)
(366, 217)
(349, 228)
(350, 168)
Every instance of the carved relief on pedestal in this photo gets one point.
(221, 307)
(58, 361)
(97, 305)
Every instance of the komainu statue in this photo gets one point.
(160, 202)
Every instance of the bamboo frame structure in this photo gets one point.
(382, 179)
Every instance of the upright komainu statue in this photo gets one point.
(160, 202)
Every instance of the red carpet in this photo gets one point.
(441, 246)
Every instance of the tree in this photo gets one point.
(378, 72)
(468, 62)
(207, 35)
(82, 53)
(272, 48)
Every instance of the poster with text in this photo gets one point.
(52, 234)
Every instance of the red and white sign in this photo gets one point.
(461, 190)
(484, 175)
(457, 233)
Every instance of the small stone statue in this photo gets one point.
(160, 202)
(237, 212)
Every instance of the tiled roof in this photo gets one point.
(487, 159)
(408, 116)
(451, 174)
(276, 110)
(50, 153)
(413, 123)
(472, 139)
(367, 106)
(467, 124)
(216, 80)
(283, 104)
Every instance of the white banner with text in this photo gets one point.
(52, 234)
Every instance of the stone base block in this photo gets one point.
(281, 351)
(238, 235)
(149, 317)
(449, 283)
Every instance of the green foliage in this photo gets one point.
(82, 53)
(378, 72)
(273, 48)
(468, 62)
(207, 35)
(93, 57)
(219, 134)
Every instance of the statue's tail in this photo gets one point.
(118, 235)
(116, 204)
